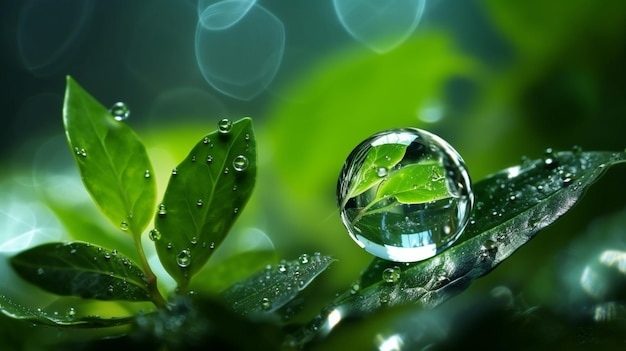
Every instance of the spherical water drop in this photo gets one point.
(209, 159)
(206, 140)
(199, 203)
(174, 171)
(71, 312)
(162, 210)
(124, 226)
(183, 259)
(193, 158)
(304, 259)
(266, 304)
(412, 212)
(40, 271)
(240, 163)
(226, 170)
(194, 240)
(147, 173)
(120, 111)
(391, 274)
(154, 235)
(224, 126)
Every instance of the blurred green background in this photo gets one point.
(498, 80)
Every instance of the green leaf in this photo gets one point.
(16, 311)
(512, 205)
(276, 285)
(414, 184)
(113, 162)
(204, 198)
(83, 270)
(368, 174)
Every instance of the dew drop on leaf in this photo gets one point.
(224, 126)
(71, 312)
(124, 226)
(162, 210)
(303, 259)
(174, 171)
(120, 111)
(240, 163)
(391, 274)
(404, 195)
(147, 173)
(266, 304)
(183, 259)
(154, 235)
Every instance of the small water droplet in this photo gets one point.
(193, 158)
(183, 259)
(40, 271)
(209, 159)
(212, 245)
(120, 111)
(147, 173)
(107, 255)
(199, 203)
(266, 304)
(381, 171)
(236, 210)
(80, 152)
(246, 137)
(174, 171)
(124, 226)
(282, 268)
(114, 252)
(71, 312)
(169, 246)
(154, 235)
(303, 259)
(391, 274)
(226, 170)
(384, 298)
(162, 210)
(235, 187)
(224, 126)
(194, 240)
(549, 159)
(206, 140)
(567, 179)
(240, 163)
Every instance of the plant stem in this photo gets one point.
(151, 278)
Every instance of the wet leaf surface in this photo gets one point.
(204, 197)
(82, 270)
(511, 207)
(276, 285)
(113, 162)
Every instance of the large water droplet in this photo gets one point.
(183, 259)
(224, 126)
(240, 163)
(418, 208)
(120, 111)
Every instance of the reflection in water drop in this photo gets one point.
(240, 163)
(380, 25)
(243, 70)
(120, 111)
(222, 14)
(224, 126)
(421, 205)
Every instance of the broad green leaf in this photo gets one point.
(113, 162)
(204, 197)
(368, 174)
(68, 320)
(512, 206)
(276, 285)
(83, 270)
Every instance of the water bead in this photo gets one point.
(240, 163)
(154, 235)
(120, 111)
(404, 195)
(224, 126)
(183, 259)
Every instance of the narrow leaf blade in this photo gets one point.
(16, 311)
(113, 162)
(276, 285)
(203, 199)
(82, 270)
